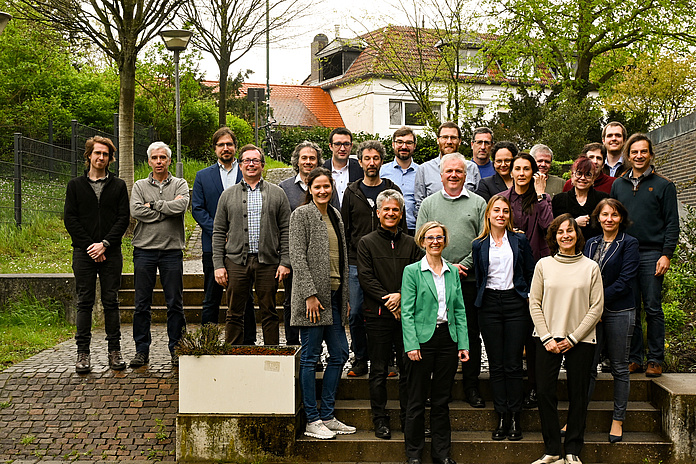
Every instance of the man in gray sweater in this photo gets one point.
(158, 203)
(250, 246)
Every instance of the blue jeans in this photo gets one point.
(649, 291)
(171, 269)
(335, 337)
(86, 271)
(614, 332)
(356, 318)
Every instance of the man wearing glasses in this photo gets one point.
(250, 246)
(543, 157)
(428, 181)
(481, 145)
(344, 169)
(207, 188)
(402, 171)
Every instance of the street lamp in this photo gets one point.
(4, 19)
(176, 40)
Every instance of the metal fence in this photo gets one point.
(34, 178)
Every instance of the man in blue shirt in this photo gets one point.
(402, 171)
(481, 145)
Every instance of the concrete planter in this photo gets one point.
(240, 406)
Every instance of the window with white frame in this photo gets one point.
(405, 113)
(470, 61)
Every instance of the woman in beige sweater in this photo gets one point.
(566, 302)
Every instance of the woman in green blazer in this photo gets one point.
(433, 321)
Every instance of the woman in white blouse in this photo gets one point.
(504, 264)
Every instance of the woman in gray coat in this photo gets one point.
(320, 299)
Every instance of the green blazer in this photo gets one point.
(419, 307)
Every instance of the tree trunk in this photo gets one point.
(126, 118)
(222, 105)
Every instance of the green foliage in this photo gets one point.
(27, 439)
(521, 124)
(675, 317)
(242, 129)
(30, 312)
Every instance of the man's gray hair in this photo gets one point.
(540, 148)
(390, 194)
(159, 146)
(295, 157)
(453, 156)
(375, 145)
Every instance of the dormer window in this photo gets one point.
(470, 61)
(337, 57)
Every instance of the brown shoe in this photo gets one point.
(635, 368)
(83, 364)
(116, 361)
(653, 370)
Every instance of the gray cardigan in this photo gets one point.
(311, 269)
(230, 228)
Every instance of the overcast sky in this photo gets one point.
(290, 60)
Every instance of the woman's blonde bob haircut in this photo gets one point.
(420, 235)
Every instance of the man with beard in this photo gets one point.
(207, 188)
(428, 180)
(402, 171)
(359, 213)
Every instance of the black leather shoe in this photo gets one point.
(116, 361)
(414, 461)
(382, 431)
(501, 431)
(445, 461)
(474, 399)
(530, 401)
(83, 364)
(515, 431)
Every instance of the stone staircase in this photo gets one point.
(471, 438)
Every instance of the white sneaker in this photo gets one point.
(546, 459)
(317, 429)
(572, 459)
(339, 427)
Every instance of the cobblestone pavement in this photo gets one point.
(50, 413)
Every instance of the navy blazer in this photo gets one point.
(619, 270)
(207, 188)
(491, 186)
(522, 262)
(355, 172)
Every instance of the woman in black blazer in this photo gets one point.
(504, 266)
(502, 155)
(616, 252)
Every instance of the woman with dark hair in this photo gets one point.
(581, 200)
(617, 254)
(320, 299)
(503, 264)
(502, 155)
(531, 205)
(433, 321)
(565, 302)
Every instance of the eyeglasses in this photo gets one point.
(408, 143)
(502, 161)
(251, 161)
(448, 137)
(586, 175)
(434, 238)
(485, 143)
(342, 144)
(225, 144)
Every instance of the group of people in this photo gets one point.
(420, 262)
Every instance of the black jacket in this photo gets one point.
(359, 218)
(567, 202)
(89, 220)
(490, 186)
(355, 172)
(382, 257)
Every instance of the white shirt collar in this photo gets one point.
(464, 193)
(298, 180)
(425, 265)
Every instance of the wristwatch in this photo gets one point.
(541, 196)
(106, 243)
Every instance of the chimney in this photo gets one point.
(320, 41)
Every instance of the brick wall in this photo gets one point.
(675, 155)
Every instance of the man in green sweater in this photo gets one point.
(462, 212)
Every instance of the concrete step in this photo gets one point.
(192, 297)
(641, 416)
(352, 388)
(192, 314)
(190, 281)
(477, 447)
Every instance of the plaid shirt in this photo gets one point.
(254, 204)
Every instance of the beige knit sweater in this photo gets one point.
(566, 298)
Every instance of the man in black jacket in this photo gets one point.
(359, 212)
(96, 216)
(382, 257)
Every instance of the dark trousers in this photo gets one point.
(504, 321)
(240, 278)
(472, 368)
(384, 336)
(292, 334)
(171, 270)
(213, 296)
(434, 374)
(109, 272)
(578, 364)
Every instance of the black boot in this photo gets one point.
(515, 431)
(501, 431)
